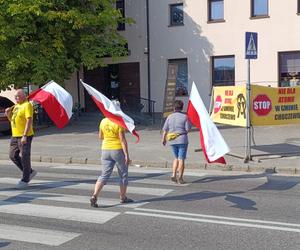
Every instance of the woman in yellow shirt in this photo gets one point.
(114, 152)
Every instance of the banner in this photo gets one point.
(229, 105)
(274, 106)
(170, 90)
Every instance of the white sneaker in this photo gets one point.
(21, 185)
(33, 173)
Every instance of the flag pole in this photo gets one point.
(211, 105)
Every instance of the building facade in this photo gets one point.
(204, 40)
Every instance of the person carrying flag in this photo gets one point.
(21, 119)
(175, 130)
(114, 152)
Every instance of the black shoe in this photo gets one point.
(126, 200)
(93, 201)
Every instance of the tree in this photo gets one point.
(42, 40)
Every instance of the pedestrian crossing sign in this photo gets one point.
(251, 45)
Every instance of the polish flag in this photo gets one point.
(56, 101)
(111, 111)
(213, 145)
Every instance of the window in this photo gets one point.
(259, 8)
(120, 5)
(298, 11)
(181, 74)
(223, 71)
(289, 69)
(215, 10)
(176, 14)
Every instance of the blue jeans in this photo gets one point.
(179, 151)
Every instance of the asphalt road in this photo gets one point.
(213, 210)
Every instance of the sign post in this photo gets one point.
(250, 53)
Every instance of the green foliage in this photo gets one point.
(50, 39)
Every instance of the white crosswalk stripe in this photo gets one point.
(98, 168)
(74, 185)
(47, 198)
(62, 213)
(132, 169)
(35, 235)
(65, 198)
(147, 180)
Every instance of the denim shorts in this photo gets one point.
(179, 151)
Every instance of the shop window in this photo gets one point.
(215, 10)
(120, 5)
(289, 69)
(176, 14)
(181, 76)
(223, 71)
(259, 8)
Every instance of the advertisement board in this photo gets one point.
(229, 105)
(274, 106)
(268, 106)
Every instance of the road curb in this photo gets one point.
(167, 164)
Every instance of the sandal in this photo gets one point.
(174, 179)
(126, 200)
(93, 201)
(181, 181)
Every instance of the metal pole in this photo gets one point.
(78, 87)
(148, 57)
(248, 135)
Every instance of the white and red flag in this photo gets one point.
(213, 145)
(56, 101)
(111, 111)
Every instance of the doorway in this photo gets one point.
(116, 81)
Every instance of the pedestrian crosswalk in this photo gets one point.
(63, 195)
(35, 235)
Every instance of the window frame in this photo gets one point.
(280, 66)
(171, 23)
(254, 16)
(213, 70)
(209, 12)
(121, 26)
(177, 61)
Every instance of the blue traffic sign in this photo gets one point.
(251, 45)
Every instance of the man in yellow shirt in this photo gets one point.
(21, 119)
(114, 152)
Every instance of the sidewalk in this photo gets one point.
(79, 143)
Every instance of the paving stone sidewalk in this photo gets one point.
(276, 148)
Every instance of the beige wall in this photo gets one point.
(10, 94)
(72, 86)
(198, 40)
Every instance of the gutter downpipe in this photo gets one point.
(148, 57)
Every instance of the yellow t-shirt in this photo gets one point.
(110, 131)
(20, 114)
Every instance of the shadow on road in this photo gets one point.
(4, 244)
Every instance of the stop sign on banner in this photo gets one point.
(218, 104)
(262, 105)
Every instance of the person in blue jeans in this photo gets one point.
(178, 125)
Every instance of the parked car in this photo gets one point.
(4, 122)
